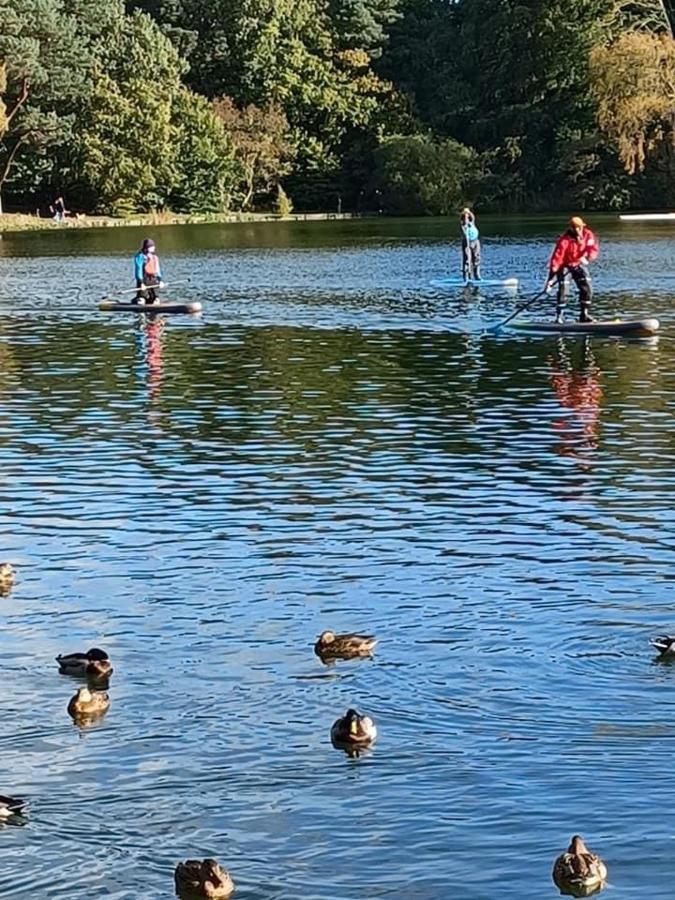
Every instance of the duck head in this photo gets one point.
(353, 722)
(577, 846)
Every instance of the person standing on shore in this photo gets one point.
(575, 249)
(58, 209)
(148, 273)
(470, 246)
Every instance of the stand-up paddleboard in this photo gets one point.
(450, 282)
(152, 308)
(648, 217)
(637, 328)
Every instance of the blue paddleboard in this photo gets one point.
(482, 283)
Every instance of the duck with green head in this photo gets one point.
(94, 664)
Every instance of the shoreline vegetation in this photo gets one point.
(15, 222)
(411, 107)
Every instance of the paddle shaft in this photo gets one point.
(520, 309)
(543, 293)
(149, 287)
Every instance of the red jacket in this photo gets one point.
(570, 250)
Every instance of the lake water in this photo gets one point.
(334, 443)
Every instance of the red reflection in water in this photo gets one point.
(576, 382)
(153, 330)
(152, 348)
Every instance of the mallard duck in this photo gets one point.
(665, 644)
(88, 704)
(10, 806)
(353, 730)
(7, 576)
(95, 664)
(203, 878)
(578, 871)
(346, 646)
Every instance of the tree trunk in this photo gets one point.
(249, 189)
(10, 159)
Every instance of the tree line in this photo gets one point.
(399, 106)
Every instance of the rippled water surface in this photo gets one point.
(334, 443)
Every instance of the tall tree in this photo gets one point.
(290, 54)
(206, 168)
(46, 74)
(633, 83)
(123, 152)
(3, 108)
(509, 77)
(262, 145)
(363, 24)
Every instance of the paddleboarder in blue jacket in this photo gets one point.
(148, 273)
(470, 246)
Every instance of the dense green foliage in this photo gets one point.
(417, 174)
(408, 106)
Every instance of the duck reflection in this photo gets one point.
(575, 377)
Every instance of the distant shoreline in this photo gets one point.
(12, 222)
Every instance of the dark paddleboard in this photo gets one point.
(637, 328)
(112, 306)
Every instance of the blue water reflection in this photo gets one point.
(333, 444)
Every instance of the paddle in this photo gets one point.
(154, 287)
(520, 309)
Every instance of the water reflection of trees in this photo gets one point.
(315, 393)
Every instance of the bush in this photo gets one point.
(284, 203)
(417, 175)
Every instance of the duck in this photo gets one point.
(579, 871)
(665, 644)
(353, 730)
(87, 704)
(10, 806)
(7, 576)
(95, 664)
(203, 878)
(345, 646)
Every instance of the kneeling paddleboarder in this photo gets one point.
(573, 252)
(148, 273)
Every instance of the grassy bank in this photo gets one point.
(21, 222)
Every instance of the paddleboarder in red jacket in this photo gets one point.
(573, 252)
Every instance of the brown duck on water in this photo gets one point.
(86, 704)
(578, 871)
(203, 878)
(7, 576)
(344, 646)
